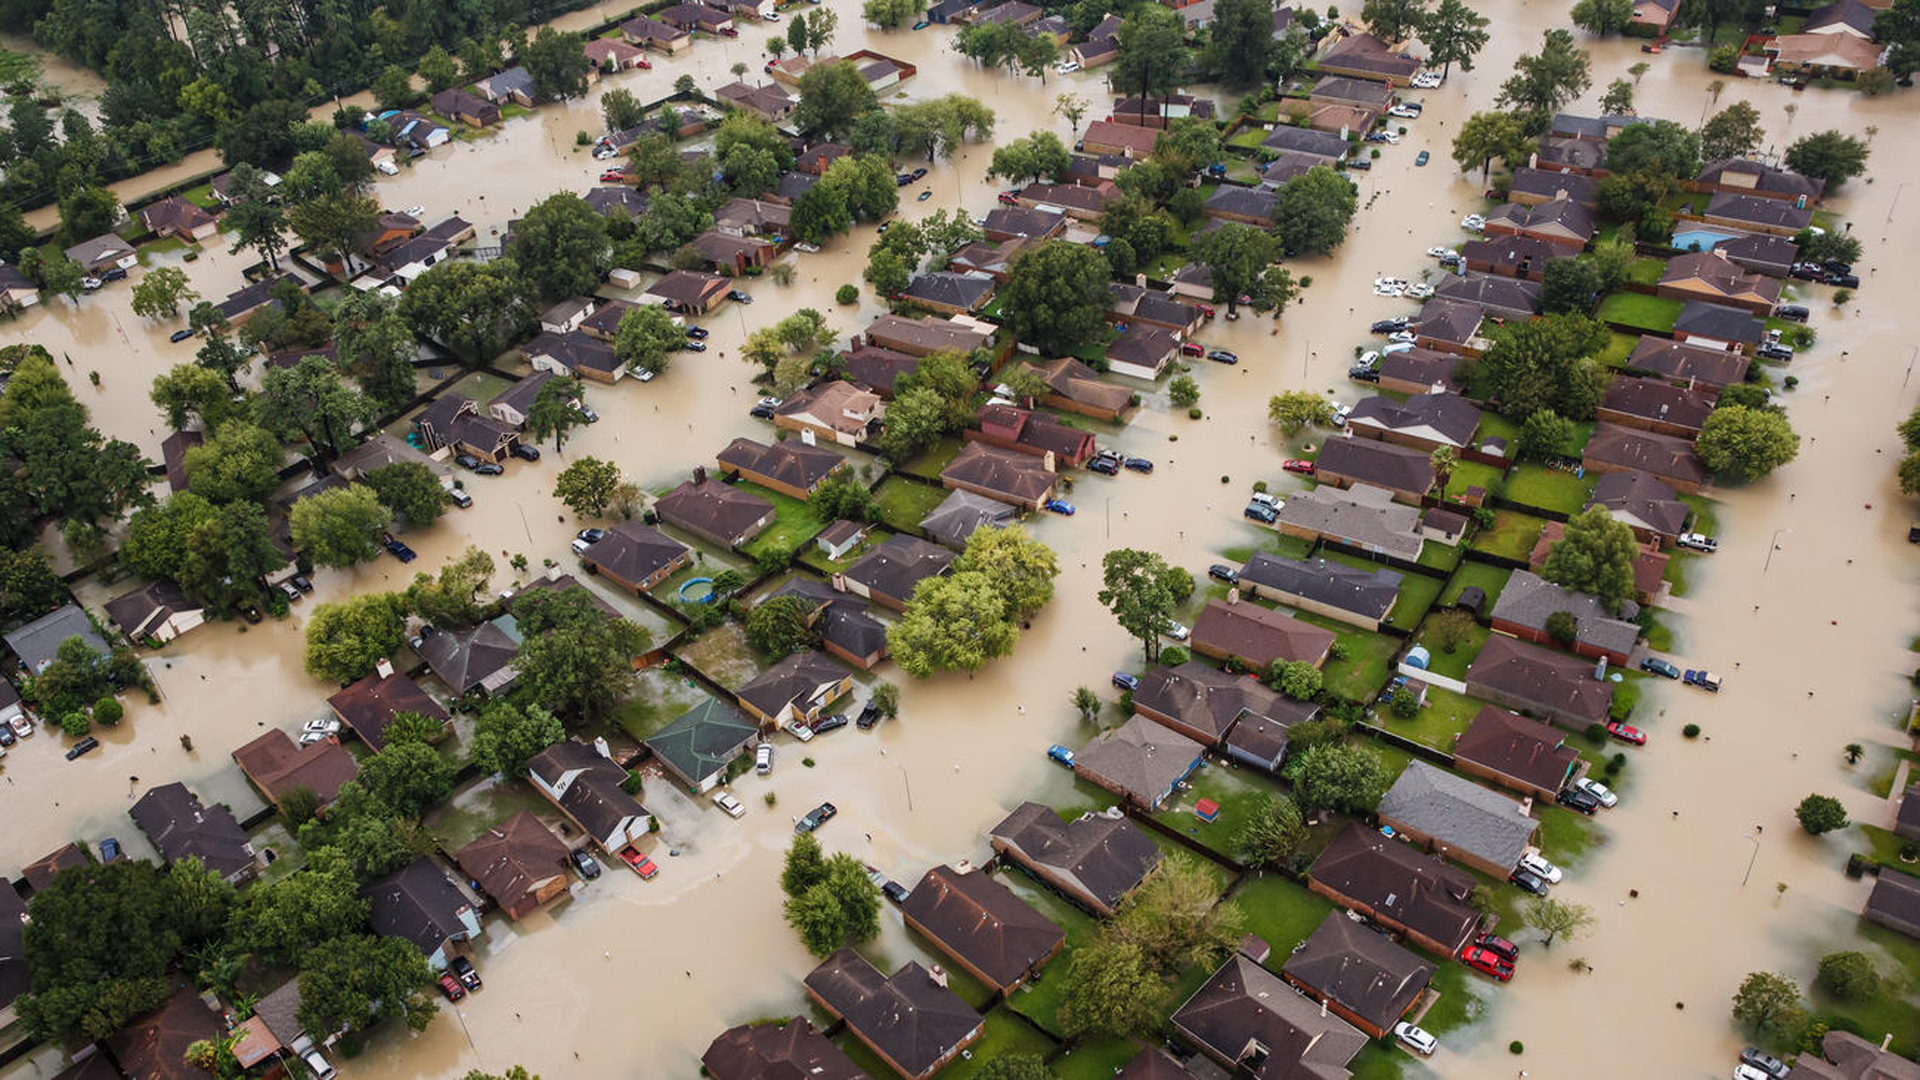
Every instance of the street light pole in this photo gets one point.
(1773, 545)
(1912, 351)
(1750, 858)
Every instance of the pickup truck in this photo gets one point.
(1705, 680)
(1697, 542)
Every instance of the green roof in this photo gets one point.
(703, 740)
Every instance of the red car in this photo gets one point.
(1192, 348)
(613, 176)
(1008, 198)
(451, 987)
(1626, 733)
(1499, 946)
(640, 863)
(728, 31)
(1487, 962)
(643, 65)
(1304, 468)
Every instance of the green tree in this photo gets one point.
(87, 212)
(1241, 46)
(1659, 148)
(161, 291)
(1086, 703)
(359, 981)
(1110, 990)
(1768, 1003)
(1546, 435)
(340, 527)
(438, 68)
(1734, 131)
(1602, 18)
(280, 920)
(506, 737)
(1273, 834)
(375, 344)
(953, 623)
(346, 639)
(1569, 285)
(555, 411)
(1546, 363)
(1489, 135)
(819, 214)
(310, 401)
(1899, 25)
(1153, 56)
(1021, 568)
(1563, 629)
(1176, 918)
(1056, 298)
(1014, 1066)
(1449, 629)
(1556, 918)
(832, 96)
(452, 599)
(1596, 555)
(558, 64)
(646, 338)
(1848, 976)
(842, 495)
(586, 485)
(780, 626)
(1618, 99)
(576, 660)
(562, 247)
(1237, 254)
(1392, 20)
(1828, 155)
(473, 308)
(28, 586)
(620, 109)
(1844, 247)
(1312, 211)
(887, 14)
(1454, 33)
(57, 467)
(333, 225)
(1742, 444)
(1142, 590)
(804, 867)
(840, 909)
(1297, 679)
(407, 777)
(393, 88)
(1909, 473)
(1542, 82)
(1296, 410)
(1038, 156)
(410, 490)
(240, 461)
(1820, 814)
(1183, 391)
(1337, 776)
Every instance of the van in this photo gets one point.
(318, 1064)
(763, 759)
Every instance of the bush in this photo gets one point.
(1194, 413)
(807, 761)
(1259, 487)
(1820, 814)
(1174, 656)
(1848, 976)
(581, 138)
(1691, 731)
(1724, 59)
(1516, 1046)
(1337, 651)
(107, 711)
(847, 294)
(1405, 707)
(1597, 734)
(75, 724)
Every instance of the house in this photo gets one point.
(1082, 202)
(1668, 459)
(993, 259)
(1836, 54)
(584, 783)
(1193, 281)
(1535, 186)
(1142, 351)
(383, 450)
(566, 316)
(1520, 755)
(1359, 975)
(179, 825)
(699, 745)
(1599, 129)
(1907, 821)
(514, 84)
(1363, 516)
(1365, 56)
(17, 290)
(1111, 137)
(1502, 297)
(1022, 223)
(1564, 223)
(40, 873)
(846, 631)
(603, 323)
(1364, 94)
(1153, 1063)
(1009, 476)
(478, 658)
(925, 335)
(179, 219)
(103, 253)
(1698, 366)
(882, 73)
(1582, 156)
(1850, 18)
(417, 902)
(1247, 1021)
(155, 1047)
(733, 255)
(277, 767)
(1349, 594)
(1649, 565)
(1644, 504)
(1656, 406)
(715, 511)
(909, 1019)
(1715, 326)
(1418, 371)
(1745, 176)
(751, 217)
(1013, 11)
(389, 230)
(837, 411)
(1895, 903)
(768, 102)
(790, 467)
(950, 292)
(873, 368)
(1076, 388)
(15, 979)
(815, 159)
(1846, 1056)
(1013, 428)
(469, 109)
(610, 55)
(1754, 213)
(656, 35)
(795, 690)
(961, 514)
(1298, 140)
(1095, 860)
(788, 1048)
(1762, 253)
(372, 704)
(413, 131)
(1655, 15)
(1522, 257)
(244, 303)
(453, 422)
(37, 644)
(1450, 326)
(1458, 818)
(512, 405)
(1140, 761)
(605, 199)
(157, 611)
(1529, 600)
(636, 556)
(689, 292)
(1399, 887)
(889, 573)
(1713, 277)
(982, 926)
(1529, 679)
(1257, 636)
(1407, 473)
(519, 863)
(1424, 422)
(839, 539)
(1246, 205)
(1205, 704)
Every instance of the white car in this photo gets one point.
(1416, 1039)
(1399, 336)
(763, 759)
(1419, 290)
(1379, 281)
(1545, 870)
(1698, 542)
(1403, 112)
(1066, 67)
(1265, 499)
(644, 375)
(1396, 348)
(416, 211)
(734, 807)
(1389, 290)
(800, 731)
(1598, 790)
(771, 402)
(808, 248)
(1474, 222)
(317, 1064)
(771, 16)
(1438, 252)
(1748, 1072)
(323, 727)
(1175, 631)
(387, 167)
(1367, 359)
(1340, 415)
(1391, 138)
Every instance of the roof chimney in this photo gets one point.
(699, 474)
(939, 976)
(384, 667)
(600, 747)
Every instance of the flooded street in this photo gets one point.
(1819, 641)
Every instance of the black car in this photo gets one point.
(830, 723)
(1388, 326)
(180, 335)
(698, 333)
(869, 716)
(1529, 881)
(1774, 352)
(588, 866)
(463, 969)
(920, 172)
(1844, 281)
(1106, 466)
(894, 891)
(488, 468)
(739, 297)
(466, 461)
(902, 179)
(1364, 373)
(1222, 356)
(1575, 799)
(816, 817)
(1449, 260)
(7, 737)
(400, 550)
(300, 582)
(1791, 312)
(114, 273)
(84, 746)
(1360, 164)
(1223, 572)
(525, 452)
(1835, 266)
(250, 613)
(1138, 464)
(1126, 680)
(1807, 271)
(1376, 137)
(760, 412)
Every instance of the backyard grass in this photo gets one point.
(1565, 836)
(1512, 536)
(1248, 138)
(1646, 271)
(722, 653)
(1241, 795)
(1445, 715)
(1363, 671)
(1280, 913)
(1619, 347)
(479, 807)
(1883, 847)
(1488, 579)
(930, 463)
(1439, 556)
(1039, 999)
(1006, 1033)
(1095, 1059)
(902, 503)
(658, 700)
(1550, 489)
(1417, 594)
(1292, 547)
(1880, 782)
(1893, 1010)
(1653, 313)
(1679, 573)
(1659, 635)
(1454, 664)
(201, 195)
(794, 523)
(1468, 474)
(812, 556)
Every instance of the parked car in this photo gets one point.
(895, 892)
(488, 468)
(1575, 799)
(613, 176)
(739, 297)
(1656, 666)
(868, 717)
(1261, 512)
(902, 179)
(1008, 198)
(328, 726)
(1360, 164)
(588, 866)
(640, 863)
(463, 969)
(1364, 373)
(763, 759)
(732, 806)
(398, 549)
(1105, 466)
(1791, 312)
(830, 722)
(1705, 680)
(83, 747)
(919, 172)
(525, 452)
(1298, 465)
(816, 817)
(1222, 356)
(698, 332)
(317, 1064)
(586, 538)
(1060, 506)
(1744, 1071)
(1340, 414)
(1473, 222)
(1176, 631)
(1067, 67)
(760, 412)
(1546, 871)
(1759, 1059)
(1137, 464)
(1626, 732)
(800, 731)
(292, 594)
(451, 987)
(1774, 351)
(1060, 754)
(1499, 946)
(1126, 681)
(1698, 542)
(1598, 790)
(1400, 337)
(1844, 281)
(1807, 271)
(1223, 572)
(1529, 881)
(7, 737)
(771, 402)
(1388, 326)
(110, 850)
(1487, 962)
(179, 336)
(1421, 159)
(1192, 348)
(1415, 1039)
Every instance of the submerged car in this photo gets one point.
(588, 866)
(1656, 666)
(1487, 962)
(816, 817)
(1060, 506)
(1626, 732)
(463, 969)
(640, 863)
(1060, 754)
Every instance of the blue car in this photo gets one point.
(1125, 681)
(1421, 159)
(1657, 666)
(1061, 754)
(1060, 506)
(110, 850)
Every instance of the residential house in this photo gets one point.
(961, 514)
(882, 73)
(1162, 110)
(1540, 682)
(1755, 213)
(1111, 137)
(418, 902)
(733, 255)
(1257, 636)
(1669, 459)
(11, 707)
(751, 217)
(155, 1047)
(1009, 476)
(839, 539)
(39, 874)
(1762, 253)
(605, 199)
(1407, 473)
(699, 745)
(17, 290)
(180, 825)
(1656, 406)
(795, 690)
(1500, 297)
(1261, 741)
(982, 926)
(157, 611)
(790, 467)
(38, 643)
(1366, 96)
(1142, 351)
(1424, 422)
(514, 84)
(371, 705)
(889, 573)
(1850, 18)
(1246, 1020)
(1655, 15)
(179, 219)
(1028, 432)
(925, 335)
(950, 292)
(1699, 366)
(1458, 818)
(556, 583)
(1363, 598)
(636, 556)
(1131, 304)
(993, 259)
(1095, 860)
(1450, 326)
(1140, 761)
(715, 511)
(273, 1028)
(1082, 202)
(788, 1048)
(1360, 976)
(469, 109)
(1833, 54)
(1649, 565)
(1363, 516)
(1418, 371)
(1715, 326)
(244, 303)
(477, 658)
(837, 411)
(1745, 176)
(909, 1019)
(847, 632)
(1644, 504)
(1365, 56)
(453, 422)
(1077, 388)
(1535, 186)
(512, 405)
(1518, 754)
(1600, 129)
(769, 102)
(1564, 223)
(584, 783)
(1399, 887)
(1205, 704)
(873, 368)
(603, 324)
(389, 230)
(815, 159)
(1193, 281)
(1246, 205)
(1846, 1056)
(15, 979)
(1018, 222)
(1907, 820)
(278, 767)
(610, 55)
(1895, 903)
(1326, 145)
(1013, 11)
(1713, 277)
(689, 292)
(1529, 600)
(103, 253)
(414, 132)
(1522, 257)
(381, 451)
(519, 863)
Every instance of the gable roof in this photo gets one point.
(1138, 141)
(787, 1050)
(1719, 272)
(1764, 177)
(1363, 515)
(978, 919)
(1368, 52)
(273, 762)
(174, 212)
(688, 286)
(14, 977)
(41, 872)
(789, 461)
(512, 859)
(1644, 498)
(1026, 221)
(1851, 14)
(1421, 365)
(1458, 813)
(1208, 699)
(1367, 92)
(1763, 252)
(1360, 969)
(1529, 600)
(1695, 363)
(1364, 592)
(1143, 345)
(1448, 320)
(1510, 251)
(913, 1020)
(108, 248)
(479, 656)
(962, 290)
(1492, 292)
(1299, 140)
(137, 612)
(370, 705)
(1512, 745)
(179, 825)
(1141, 758)
(416, 902)
(703, 739)
(1413, 888)
(1757, 210)
(1562, 216)
(1444, 417)
(1660, 455)
(770, 99)
(454, 102)
(1541, 678)
(1895, 895)
(798, 678)
(752, 215)
(155, 1047)
(1257, 634)
(962, 513)
(596, 797)
(1369, 461)
(925, 335)
(897, 566)
(1718, 321)
(1552, 184)
(878, 369)
(1245, 1004)
(1077, 382)
(1107, 856)
(1022, 477)
(712, 507)
(38, 642)
(573, 350)
(1659, 400)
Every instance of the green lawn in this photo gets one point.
(1006, 1033)
(1445, 715)
(1893, 1010)
(933, 460)
(1646, 271)
(1489, 579)
(1883, 847)
(1454, 664)
(1096, 1059)
(1039, 999)
(1706, 517)
(794, 523)
(902, 503)
(814, 557)
(1248, 138)
(723, 654)
(658, 700)
(1513, 535)
(1880, 781)
(1280, 912)
(1417, 594)
(1468, 474)
(1550, 489)
(1439, 556)
(1679, 573)
(1653, 313)
(1241, 794)
(1619, 347)
(1278, 543)
(1361, 674)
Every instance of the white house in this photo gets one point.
(584, 784)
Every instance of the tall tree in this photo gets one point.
(1557, 918)
(1142, 590)
(1312, 211)
(558, 64)
(161, 291)
(340, 527)
(1596, 555)
(953, 623)
(506, 737)
(1237, 254)
(646, 338)
(280, 920)
(1544, 81)
(1768, 1003)
(409, 489)
(1392, 20)
(1241, 44)
(1019, 566)
(832, 96)
(1742, 444)
(1547, 363)
(576, 660)
(555, 411)
(1734, 131)
(360, 980)
(842, 908)
(1055, 298)
(241, 461)
(333, 225)
(1828, 155)
(1602, 18)
(1111, 990)
(372, 341)
(562, 247)
(475, 309)
(310, 401)
(1153, 56)
(1454, 33)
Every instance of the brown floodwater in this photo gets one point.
(924, 789)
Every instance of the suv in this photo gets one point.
(1754, 1057)
(816, 817)
(586, 538)
(1126, 680)
(1576, 799)
(525, 452)
(1261, 512)
(1655, 666)
(1698, 542)
(1223, 572)
(589, 868)
(1791, 312)
(763, 759)
(1105, 466)
(829, 723)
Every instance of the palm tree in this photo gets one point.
(1443, 460)
(1638, 70)
(1087, 702)
(739, 71)
(1854, 751)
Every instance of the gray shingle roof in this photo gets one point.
(38, 642)
(1448, 418)
(1529, 600)
(1360, 969)
(1367, 461)
(1719, 321)
(1460, 814)
(1140, 758)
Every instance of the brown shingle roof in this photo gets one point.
(1644, 498)
(790, 462)
(1355, 967)
(1258, 635)
(1415, 889)
(514, 858)
(1514, 746)
(1140, 758)
(790, 1050)
(1656, 399)
(974, 917)
(1244, 1002)
(913, 1020)
(1541, 678)
(370, 705)
(1674, 360)
(1207, 699)
(277, 766)
(1658, 455)
(1107, 857)
(799, 678)
(155, 1048)
(1023, 478)
(1396, 468)
(712, 508)
(179, 825)
(896, 567)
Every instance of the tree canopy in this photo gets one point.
(1056, 298)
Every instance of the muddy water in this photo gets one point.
(923, 789)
